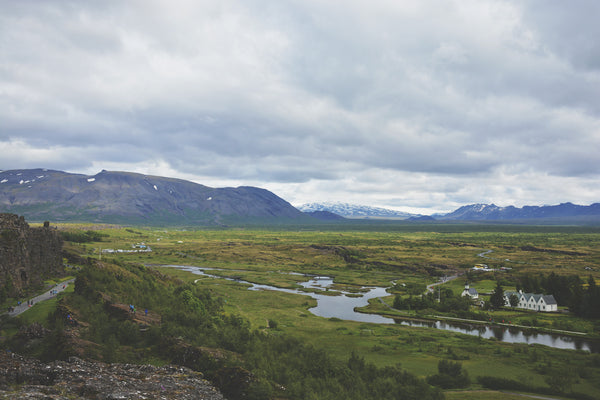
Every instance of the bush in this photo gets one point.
(450, 376)
(492, 382)
(82, 236)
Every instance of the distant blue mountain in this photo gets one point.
(565, 213)
(491, 212)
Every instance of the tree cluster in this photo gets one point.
(581, 296)
(448, 302)
(450, 376)
(497, 297)
(78, 236)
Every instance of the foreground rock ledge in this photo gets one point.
(25, 378)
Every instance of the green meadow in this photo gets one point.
(403, 257)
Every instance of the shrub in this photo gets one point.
(450, 376)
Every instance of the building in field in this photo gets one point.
(469, 291)
(533, 302)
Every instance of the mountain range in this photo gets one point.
(561, 213)
(131, 198)
(492, 212)
(124, 197)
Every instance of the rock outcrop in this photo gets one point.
(24, 378)
(27, 255)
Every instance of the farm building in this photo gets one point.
(534, 302)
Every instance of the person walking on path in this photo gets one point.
(20, 308)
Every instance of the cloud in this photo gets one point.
(410, 103)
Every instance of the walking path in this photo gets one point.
(441, 281)
(531, 396)
(24, 306)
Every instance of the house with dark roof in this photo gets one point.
(533, 302)
(469, 291)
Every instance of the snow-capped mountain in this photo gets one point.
(477, 211)
(561, 213)
(494, 212)
(355, 211)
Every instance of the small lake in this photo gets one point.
(342, 306)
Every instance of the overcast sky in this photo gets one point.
(421, 105)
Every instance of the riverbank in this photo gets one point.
(509, 325)
(360, 309)
(501, 315)
(506, 332)
(398, 314)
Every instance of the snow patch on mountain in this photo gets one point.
(355, 211)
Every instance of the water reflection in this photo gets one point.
(510, 334)
(343, 306)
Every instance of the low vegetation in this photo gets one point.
(265, 344)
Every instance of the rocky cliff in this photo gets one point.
(22, 378)
(27, 255)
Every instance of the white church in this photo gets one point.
(469, 291)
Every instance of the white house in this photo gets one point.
(471, 292)
(534, 302)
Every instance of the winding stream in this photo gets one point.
(328, 306)
(343, 306)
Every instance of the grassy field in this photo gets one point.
(486, 395)
(366, 255)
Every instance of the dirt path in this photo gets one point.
(139, 316)
(27, 304)
(531, 396)
(441, 282)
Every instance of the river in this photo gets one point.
(510, 334)
(342, 306)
